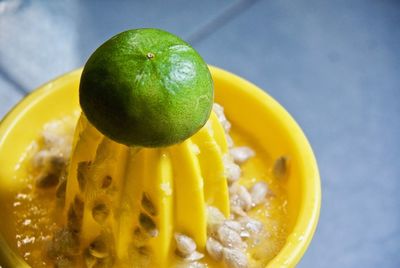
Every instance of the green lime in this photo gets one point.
(146, 87)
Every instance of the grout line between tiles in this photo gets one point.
(218, 21)
(9, 79)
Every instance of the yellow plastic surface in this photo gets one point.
(247, 107)
(180, 181)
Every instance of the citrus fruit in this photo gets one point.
(146, 87)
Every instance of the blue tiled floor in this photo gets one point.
(334, 65)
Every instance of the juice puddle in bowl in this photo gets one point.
(38, 210)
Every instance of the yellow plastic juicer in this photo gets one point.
(124, 204)
(278, 134)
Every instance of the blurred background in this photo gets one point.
(334, 65)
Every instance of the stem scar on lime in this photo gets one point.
(147, 88)
(150, 55)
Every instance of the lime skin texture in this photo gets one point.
(146, 88)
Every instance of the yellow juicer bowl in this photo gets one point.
(247, 107)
